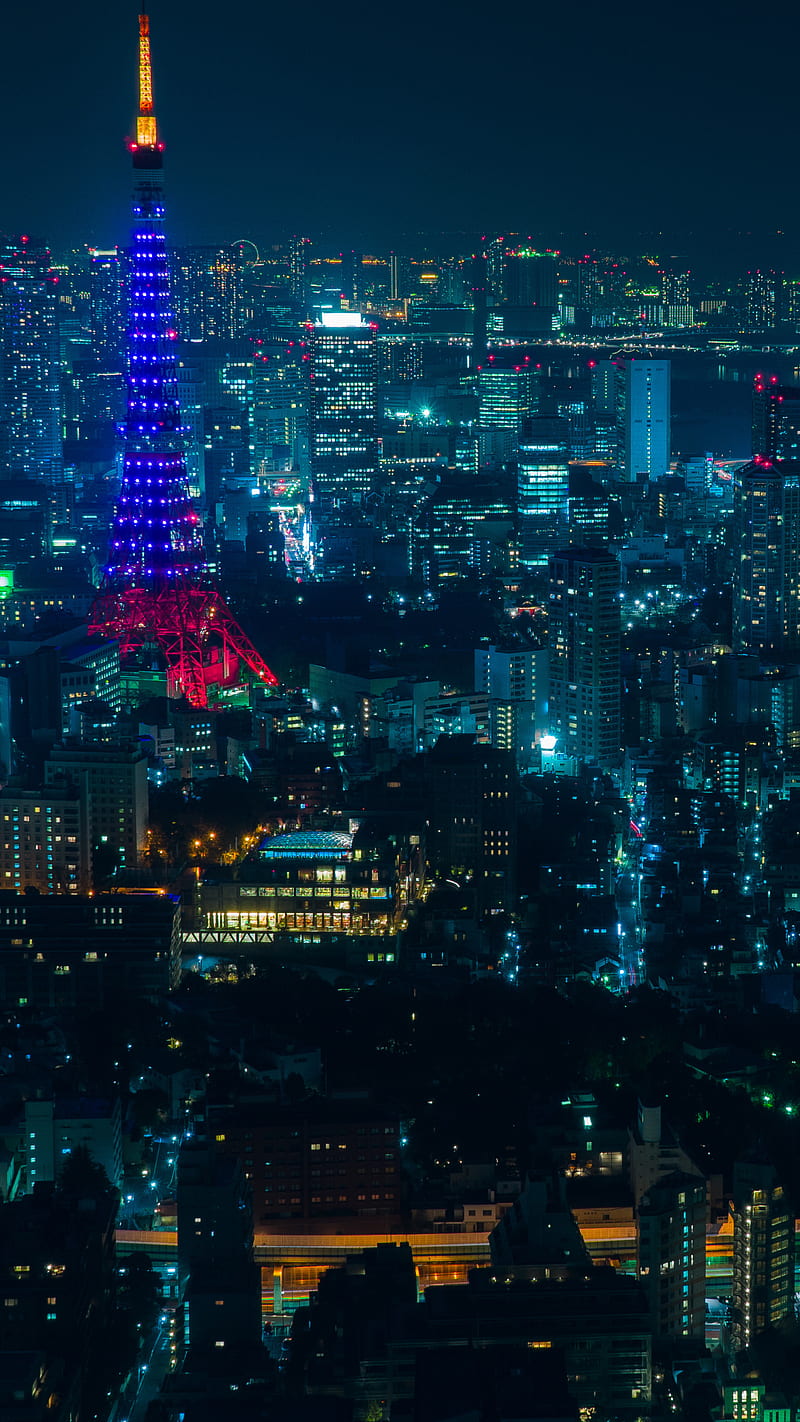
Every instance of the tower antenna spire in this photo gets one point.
(146, 134)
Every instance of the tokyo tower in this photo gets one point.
(156, 589)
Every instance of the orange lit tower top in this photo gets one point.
(146, 134)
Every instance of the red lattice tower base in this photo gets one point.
(202, 644)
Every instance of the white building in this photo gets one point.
(644, 413)
(54, 1129)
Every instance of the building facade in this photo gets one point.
(343, 409)
(584, 634)
(542, 490)
(763, 1251)
(644, 413)
(671, 1255)
(114, 781)
(30, 391)
(44, 840)
(766, 544)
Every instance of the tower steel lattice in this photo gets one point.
(156, 585)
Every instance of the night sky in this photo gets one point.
(361, 123)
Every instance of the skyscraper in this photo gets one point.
(107, 303)
(776, 419)
(671, 1254)
(643, 411)
(208, 292)
(30, 394)
(542, 490)
(530, 278)
(299, 255)
(763, 300)
(506, 398)
(766, 576)
(343, 410)
(584, 638)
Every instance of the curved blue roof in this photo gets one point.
(307, 844)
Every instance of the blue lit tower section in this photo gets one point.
(156, 590)
(156, 535)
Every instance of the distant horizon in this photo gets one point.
(743, 251)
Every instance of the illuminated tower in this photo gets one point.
(156, 589)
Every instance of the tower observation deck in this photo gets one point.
(156, 588)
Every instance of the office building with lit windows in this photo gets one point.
(584, 644)
(472, 798)
(343, 409)
(316, 1160)
(506, 398)
(776, 419)
(64, 952)
(114, 781)
(542, 490)
(44, 840)
(30, 376)
(763, 1251)
(207, 291)
(344, 892)
(766, 545)
(671, 1255)
(515, 680)
(107, 306)
(643, 412)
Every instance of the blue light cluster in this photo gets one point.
(156, 538)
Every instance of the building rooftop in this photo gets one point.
(307, 844)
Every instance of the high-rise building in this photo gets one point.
(44, 840)
(763, 1251)
(776, 419)
(472, 791)
(671, 1255)
(542, 490)
(208, 292)
(584, 635)
(643, 410)
(215, 1254)
(114, 781)
(530, 277)
(506, 398)
(30, 392)
(107, 306)
(299, 255)
(516, 682)
(589, 507)
(766, 578)
(280, 406)
(763, 300)
(343, 411)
